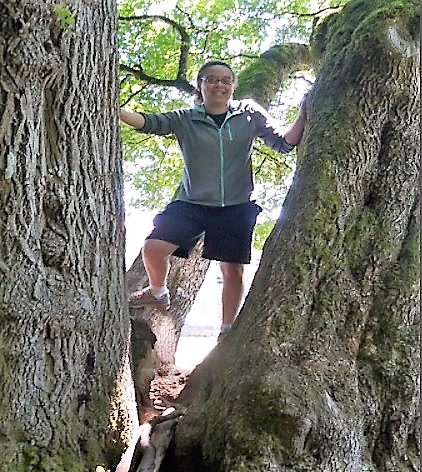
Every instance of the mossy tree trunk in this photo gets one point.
(64, 323)
(321, 370)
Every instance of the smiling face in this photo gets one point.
(216, 84)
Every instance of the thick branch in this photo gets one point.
(263, 78)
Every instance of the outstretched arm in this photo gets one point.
(274, 134)
(136, 120)
(294, 133)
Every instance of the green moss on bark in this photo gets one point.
(359, 28)
(264, 77)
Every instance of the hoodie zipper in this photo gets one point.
(220, 139)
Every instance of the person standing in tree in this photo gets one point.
(214, 200)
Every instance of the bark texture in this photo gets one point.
(321, 370)
(64, 323)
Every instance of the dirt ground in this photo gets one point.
(167, 385)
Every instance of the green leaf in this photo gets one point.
(64, 15)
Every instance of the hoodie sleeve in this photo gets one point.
(268, 128)
(163, 123)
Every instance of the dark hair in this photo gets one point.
(201, 71)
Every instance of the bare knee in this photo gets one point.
(232, 272)
(157, 249)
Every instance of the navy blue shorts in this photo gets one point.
(227, 230)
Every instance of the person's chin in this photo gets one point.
(220, 98)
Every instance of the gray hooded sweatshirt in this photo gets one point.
(218, 170)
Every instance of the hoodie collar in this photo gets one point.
(234, 106)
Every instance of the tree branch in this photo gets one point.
(262, 79)
(180, 82)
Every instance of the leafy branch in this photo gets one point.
(180, 82)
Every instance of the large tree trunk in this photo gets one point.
(321, 370)
(64, 323)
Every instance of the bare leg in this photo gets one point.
(155, 254)
(232, 290)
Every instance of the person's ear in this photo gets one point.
(197, 96)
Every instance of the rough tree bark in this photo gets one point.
(321, 371)
(64, 323)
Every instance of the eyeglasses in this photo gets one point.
(214, 80)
